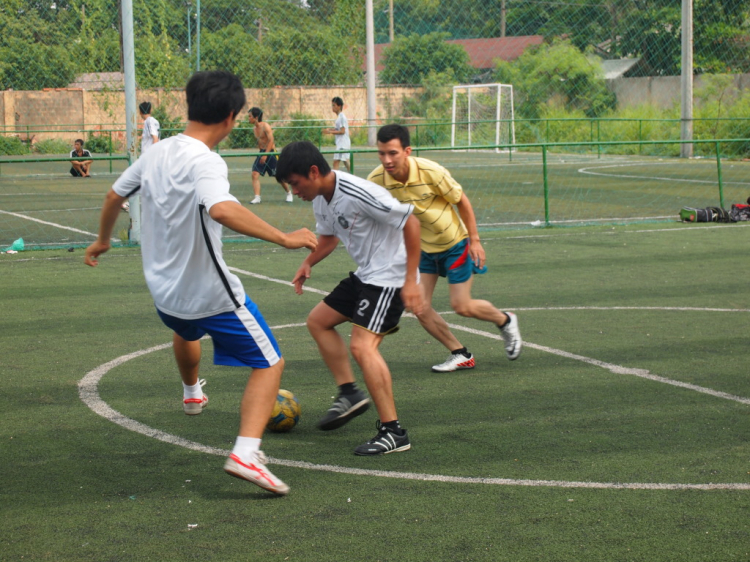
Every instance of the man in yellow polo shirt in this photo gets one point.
(450, 243)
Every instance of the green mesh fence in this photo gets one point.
(604, 73)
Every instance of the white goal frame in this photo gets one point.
(504, 100)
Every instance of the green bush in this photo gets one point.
(168, 126)
(12, 146)
(242, 137)
(302, 127)
(53, 146)
(99, 144)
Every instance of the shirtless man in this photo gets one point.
(264, 164)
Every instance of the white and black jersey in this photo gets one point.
(369, 222)
(84, 154)
(179, 180)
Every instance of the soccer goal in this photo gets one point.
(483, 115)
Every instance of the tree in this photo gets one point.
(556, 73)
(311, 58)
(409, 59)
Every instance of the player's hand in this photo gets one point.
(302, 275)
(94, 251)
(476, 253)
(302, 238)
(411, 295)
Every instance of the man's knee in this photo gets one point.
(462, 307)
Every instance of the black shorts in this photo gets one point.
(75, 173)
(376, 309)
(268, 167)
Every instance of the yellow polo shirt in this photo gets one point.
(433, 192)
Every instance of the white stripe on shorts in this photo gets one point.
(257, 333)
(384, 303)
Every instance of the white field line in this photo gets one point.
(89, 393)
(679, 180)
(616, 369)
(56, 225)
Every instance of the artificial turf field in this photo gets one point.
(621, 433)
(50, 209)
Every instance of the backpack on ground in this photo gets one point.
(709, 214)
(740, 213)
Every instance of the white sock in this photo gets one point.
(246, 447)
(194, 391)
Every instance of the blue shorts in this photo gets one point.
(241, 337)
(269, 166)
(455, 264)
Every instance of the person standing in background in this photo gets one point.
(340, 131)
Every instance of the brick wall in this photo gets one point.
(67, 114)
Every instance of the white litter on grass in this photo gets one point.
(192, 525)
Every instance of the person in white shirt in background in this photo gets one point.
(340, 131)
(151, 127)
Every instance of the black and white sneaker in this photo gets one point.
(384, 442)
(344, 409)
(512, 337)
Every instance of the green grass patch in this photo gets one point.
(79, 487)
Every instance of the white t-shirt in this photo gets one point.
(176, 177)
(369, 222)
(150, 130)
(342, 141)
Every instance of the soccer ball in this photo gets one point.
(285, 414)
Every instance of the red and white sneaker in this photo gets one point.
(256, 472)
(194, 406)
(456, 362)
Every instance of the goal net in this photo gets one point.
(483, 115)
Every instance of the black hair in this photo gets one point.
(214, 95)
(80, 141)
(297, 158)
(257, 112)
(389, 132)
(338, 101)
(145, 108)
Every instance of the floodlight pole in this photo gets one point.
(198, 36)
(370, 56)
(686, 128)
(131, 128)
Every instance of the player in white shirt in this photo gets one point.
(382, 237)
(151, 127)
(185, 203)
(340, 131)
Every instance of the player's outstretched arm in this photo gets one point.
(326, 245)
(242, 220)
(110, 211)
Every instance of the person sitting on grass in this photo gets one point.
(81, 168)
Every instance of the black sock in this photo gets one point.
(393, 427)
(504, 324)
(348, 388)
(463, 351)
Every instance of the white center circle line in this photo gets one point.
(89, 394)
